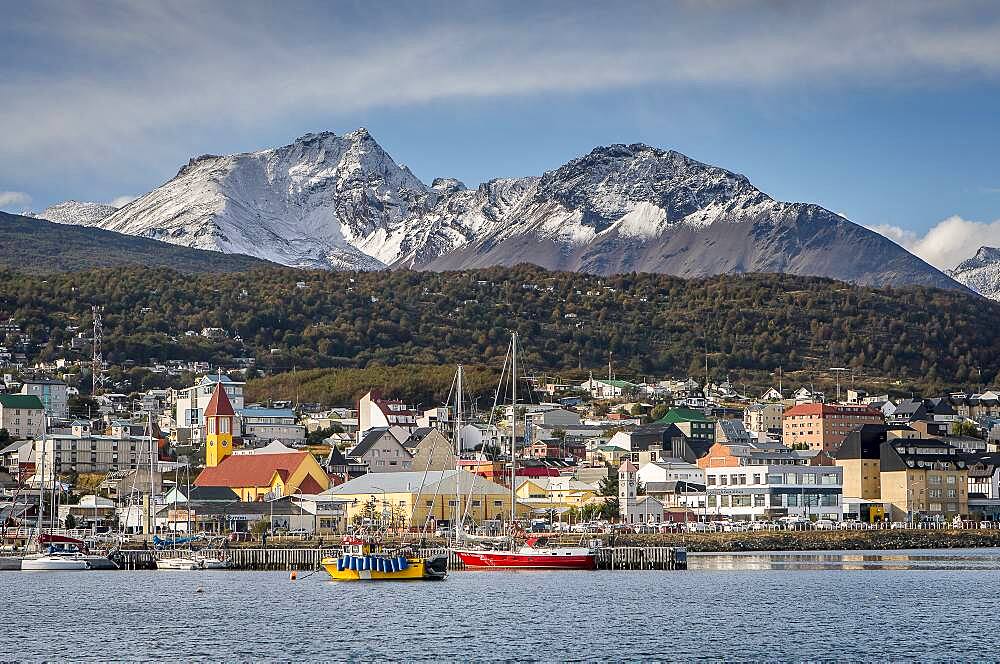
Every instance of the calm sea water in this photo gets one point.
(921, 605)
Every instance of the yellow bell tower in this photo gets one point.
(219, 418)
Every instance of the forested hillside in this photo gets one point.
(653, 324)
(42, 247)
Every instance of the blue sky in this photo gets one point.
(886, 113)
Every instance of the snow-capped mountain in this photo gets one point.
(324, 201)
(981, 273)
(79, 213)
(342, 202)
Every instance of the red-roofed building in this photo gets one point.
(258, 476)
(822, 426)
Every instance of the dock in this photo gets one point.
(287, 559)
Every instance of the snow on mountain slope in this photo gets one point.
(341, 202)
(78, 213)
(981, 273)
(319, 202)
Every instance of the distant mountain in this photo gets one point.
(981, 273)
(32, 245)
(341, 202)
(76, 212)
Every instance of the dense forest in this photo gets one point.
(650, 325)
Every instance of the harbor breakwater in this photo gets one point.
(818, 540)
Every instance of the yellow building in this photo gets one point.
(555, 492)
(259, 476)
(924, 478)
(219, 418)
(860, 456)
(411, 499)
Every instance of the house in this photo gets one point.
(53, 394)
(699, 430)
(807, 395)
(732, 431)
(608, 389)
(431, 450)
(984, 485)
(270, 424)
(439, 417)
(822, 426)
(553, 417)
(376, 412)
(477, 435)
(266, 476)
(22, 415)
(607, 455)
(765, 418)
(381, 450)
(559, 492)
(416, 499)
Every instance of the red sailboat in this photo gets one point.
(535, 553)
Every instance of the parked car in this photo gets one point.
(824, 524)
(239, 537)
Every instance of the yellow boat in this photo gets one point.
(358, 563)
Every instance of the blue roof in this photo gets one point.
(266, 412)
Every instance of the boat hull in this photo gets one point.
(434, 568)
(53, 564)
(186, 564)
(522, 560)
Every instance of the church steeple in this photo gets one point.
(219, 417)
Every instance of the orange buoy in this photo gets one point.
(293, 576)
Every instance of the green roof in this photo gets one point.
(26, 401)
(675, 415)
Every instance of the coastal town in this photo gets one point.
(602, 456)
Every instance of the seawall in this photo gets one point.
(818, 540)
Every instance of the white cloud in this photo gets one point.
(17, 201)
(122, 201)
(207, 65)
(948, 243)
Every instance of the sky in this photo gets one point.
(886, 113)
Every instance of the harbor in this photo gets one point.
(301, 559)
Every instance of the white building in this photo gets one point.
(770, 492)
(633, 508)
(376, 412)
(764, 418)
(670, 470)
(190, 403)
(53, 394)
(84, 452)
(476, 434)
(270, 424)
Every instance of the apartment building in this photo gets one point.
(54, 395)
(764, 418)
(821, 426)
(84, 452)
(22, 415)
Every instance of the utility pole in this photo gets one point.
(837, 371)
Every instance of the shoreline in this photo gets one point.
(841, 540)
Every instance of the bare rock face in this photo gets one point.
(341, 202)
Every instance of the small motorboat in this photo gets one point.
(359, 563)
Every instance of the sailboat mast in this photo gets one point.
(458, 451)
(513, 426)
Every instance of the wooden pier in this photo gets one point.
(284, 559)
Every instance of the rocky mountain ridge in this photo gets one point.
(341, 202)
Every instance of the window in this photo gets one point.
(498, 503)
(950, 479)
(723, 479)
(711, 480)
(934, 479)
(713, 501)
(758, 500)
(775, 478)
(429, 503)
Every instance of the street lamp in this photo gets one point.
(384, 503)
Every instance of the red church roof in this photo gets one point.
(219, 404)
(246, 470)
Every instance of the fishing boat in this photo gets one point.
(359, 563)
(535, 553)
